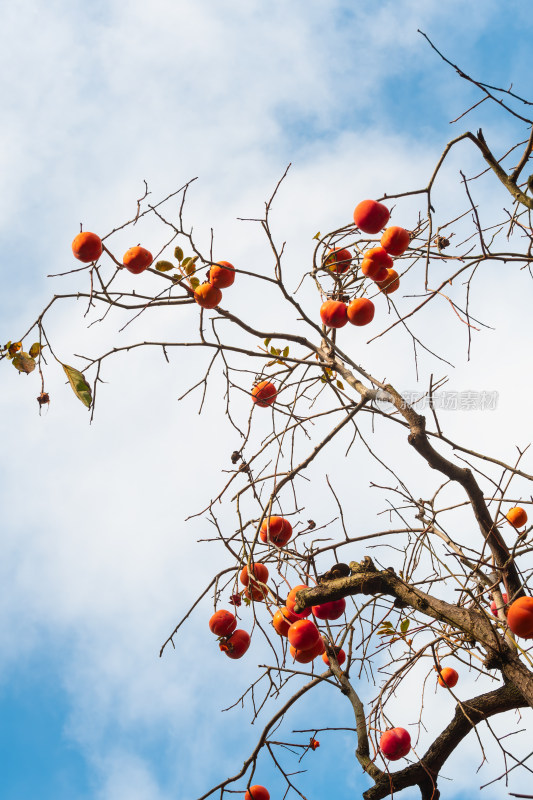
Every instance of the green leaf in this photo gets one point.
(35, 349)
(23, 362)
(190, 269)
(285, 351)
(317, 235)
(164, 266)
(386, 624)
(178, 253)
(80, 387)
(340, 385)
(267, 342)
(323, 379)
(275, 351)
(404, 627)
(186, 261)
(195, 282)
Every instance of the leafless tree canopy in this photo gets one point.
(435, 604)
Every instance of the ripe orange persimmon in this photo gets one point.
(87, 247)
(493, 607)
(258, 571)
(291, 602)
(338, 260)
(333, 314)
(379, 256)
(283, 620)
(371, 216)
(278, 529)
(395, 743)
(222, 623)
(257, 593)
(448, 677)
(361, 311)
(374, 271)
(330, 610)
(308, 655)
(207, 296)
(390, 283)
(517, 517)
(137, 259)
(264, 394)
(341, 656)
(520, 617)
(257, 793)
(236, 645)
(395, 240)
(303, 634)
(222, 275)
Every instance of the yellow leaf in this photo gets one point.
(80, 387)
(35, 349)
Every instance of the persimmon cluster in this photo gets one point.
(305, 639)
(88, 247)
(377, 265)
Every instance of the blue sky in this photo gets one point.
(96, 557)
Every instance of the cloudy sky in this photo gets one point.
(97, 561)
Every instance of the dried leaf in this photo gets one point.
(340, 385)
(80, 387)
(13, 347)
(24, 363)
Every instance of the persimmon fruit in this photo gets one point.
(520, 617)
(222, 623)
(264, 394)
(282, 620)
(331, 610)
(258, 571)
(87, 247)
(493, 607)
(390, 283)
(278, 529)
(236, 645)
(341, 657)
(395, 743)
(207, 296)
(395, 240)
(361, 311)
(306, 656)
(257, 593)
(257, 793)
(334, 314)
(222, 275)
(137, 259)
(379, 256)
(371, 216)
(338, 260)
(291, 602)
(376, 272)
(303, 634)
(517, 517)
(448, 677)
